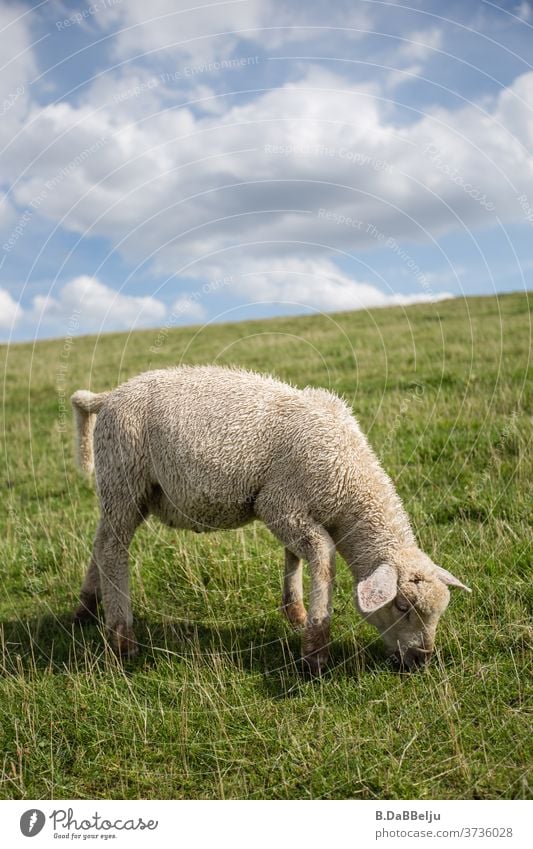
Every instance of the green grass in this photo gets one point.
(215, 706)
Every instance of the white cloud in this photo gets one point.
(18, 66)
(188, 307)
(523, 10)
(314, 283)
(7, 215)
(394, 79)
(420, 44)
(155, 186)
(9, 310)
(184, 31)
(91, 306)
(214, 29)
(241, 181)
(18, 60)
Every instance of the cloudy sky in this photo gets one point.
(168, 163)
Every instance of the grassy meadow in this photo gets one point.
(214, 706)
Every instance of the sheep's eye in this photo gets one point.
(401, 604)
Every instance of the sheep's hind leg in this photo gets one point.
(292, 601)
(111, 552)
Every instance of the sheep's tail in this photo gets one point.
(86, 406)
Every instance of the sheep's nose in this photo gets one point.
(413, 658)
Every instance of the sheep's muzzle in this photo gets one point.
(411, 659)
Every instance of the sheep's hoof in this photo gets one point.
(315, 652)
(296, 614)
(315, 664)
(86, 610)
(124, 641)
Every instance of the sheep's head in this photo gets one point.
(404, 599)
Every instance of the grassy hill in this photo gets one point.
(214, 706)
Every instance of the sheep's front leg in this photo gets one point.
(308, 540)
(292, 601)
(90, 593)
(321, 557)
(111, 553)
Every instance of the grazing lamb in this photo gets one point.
(207, 448)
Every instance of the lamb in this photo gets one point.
(207, 448)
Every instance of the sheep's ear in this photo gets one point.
(377, 589)
(450, 580)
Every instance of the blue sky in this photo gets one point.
(164, 165)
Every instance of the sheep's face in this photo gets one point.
(404, 600)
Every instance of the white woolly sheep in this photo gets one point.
(207, 448)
